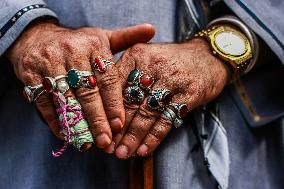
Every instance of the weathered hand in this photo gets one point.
(46, 49)
(189, 70)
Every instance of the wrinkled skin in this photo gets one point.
(46, 49)
(189, 70)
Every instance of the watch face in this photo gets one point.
(230, 43)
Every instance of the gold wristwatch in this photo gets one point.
(230, 45)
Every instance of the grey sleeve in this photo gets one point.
(265, 17)
(15, 15)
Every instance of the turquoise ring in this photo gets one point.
(159, 98)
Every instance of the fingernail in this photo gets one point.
(143, 150)
(103, 140)
(116, 124)
(122, 152)
(110, 148)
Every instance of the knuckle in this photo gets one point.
(146, 113)
(50, 50)
(109, 79)
(138, 48)
(113, 103)
(67, 45)
(139, 128)
(97, 124)
(165, 122)
(28, 77)
(154, 138)
(96, 42)
(130, 106)
(133, 136)
(158, 133)
(193, 87)
(158, 58)
(87, 95)
(27, 60)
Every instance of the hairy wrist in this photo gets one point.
(204, 51)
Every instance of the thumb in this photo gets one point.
(123, 38)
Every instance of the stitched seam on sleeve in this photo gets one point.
(16, 16)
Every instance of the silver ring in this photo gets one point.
(60, 77)
(170, 114)
(158, 98)
(178, 122)
(86, 73)
(134, 95)
(180, 109)
(88, 81)
(30, 91)
(62, 86)
(101, 64)
(38, 95)
(49, 83)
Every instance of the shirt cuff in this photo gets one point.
(17, 20)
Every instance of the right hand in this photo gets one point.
(46, 49)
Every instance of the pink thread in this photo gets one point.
(63, 109)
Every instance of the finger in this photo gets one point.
(94, 112)
(111, 92)
(118, 136)
(124, 65)
(140, 125)
(164, 124)
(157, 133)
(44, 104)
(92, 105)
(123, 38)
(46, 107)
(137, 130)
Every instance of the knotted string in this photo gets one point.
(66, 122)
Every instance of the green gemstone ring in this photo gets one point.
(73, 78)
(133, 77)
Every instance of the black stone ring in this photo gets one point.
(159, 98)
(134, 94)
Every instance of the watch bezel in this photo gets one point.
(237, 60)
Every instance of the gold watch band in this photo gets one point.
(239, 63)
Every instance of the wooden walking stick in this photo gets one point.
(148, 167)
(141, 173)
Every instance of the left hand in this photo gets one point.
(188, 70)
